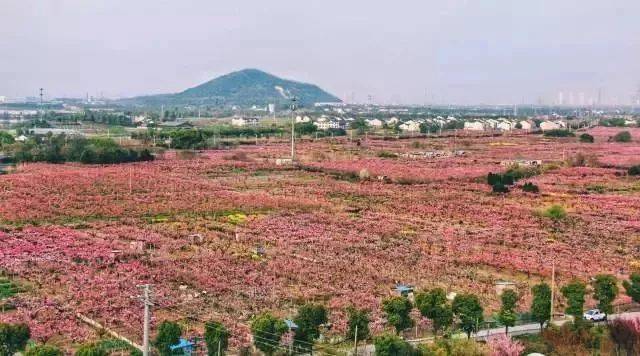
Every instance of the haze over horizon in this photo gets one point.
(407, 52)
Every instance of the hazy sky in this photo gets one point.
(482, 51)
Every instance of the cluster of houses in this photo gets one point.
(327, 122)
(503, 124)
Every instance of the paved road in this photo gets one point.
(524, 329)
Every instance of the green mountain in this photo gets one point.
(243, 88)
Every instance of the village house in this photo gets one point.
(410, 126)
(245, 121)
(527, 124)
(374, 122)
(505, 126)
(551, 125)
(392, 121)
(474, 126)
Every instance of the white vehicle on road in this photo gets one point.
(595, 315)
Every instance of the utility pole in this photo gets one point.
(553, 285)
(355, 342)
(293, 129)
(145, 298)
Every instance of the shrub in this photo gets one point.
(519, 172)
(586, 138)
(582, 160)
(493, 179)
(91, 350)
(623, 136)
(500, 188)
(555, 212)
(559, 133)
(43, 350)
(634, 170)
(392, 345)
(387, 154)
(530, 188)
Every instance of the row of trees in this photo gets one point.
(61, 148)
(465, 312)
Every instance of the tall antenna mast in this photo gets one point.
(293, 129)
(41, 96)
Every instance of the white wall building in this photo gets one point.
(550, 125)
(474, 126)
(526, 125)
(410, 126)
(374, 122)
(505, 126)
(244, 121)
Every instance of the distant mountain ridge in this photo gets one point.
(242, 88)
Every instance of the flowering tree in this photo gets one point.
(504, 345)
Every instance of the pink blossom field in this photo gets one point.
(228, 234)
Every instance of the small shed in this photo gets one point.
(404, 289)
(183, 347)
(290, 324)
(501, 286)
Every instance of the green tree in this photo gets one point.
(541, 304)
(397, 311)
(467, 308)
(358, 318)
(43, 350)
(267, 331)
(574, 293)
(13, 338)
(360, 125)
(216, 336)
(308, 319)
(586, 138)
(6, 138)
(434, 305)
(91, 350)
(306, 128)
(169, 333)
(507, 314)
(605, 290)
(623, 136)
(392, 345)
(632, 287)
